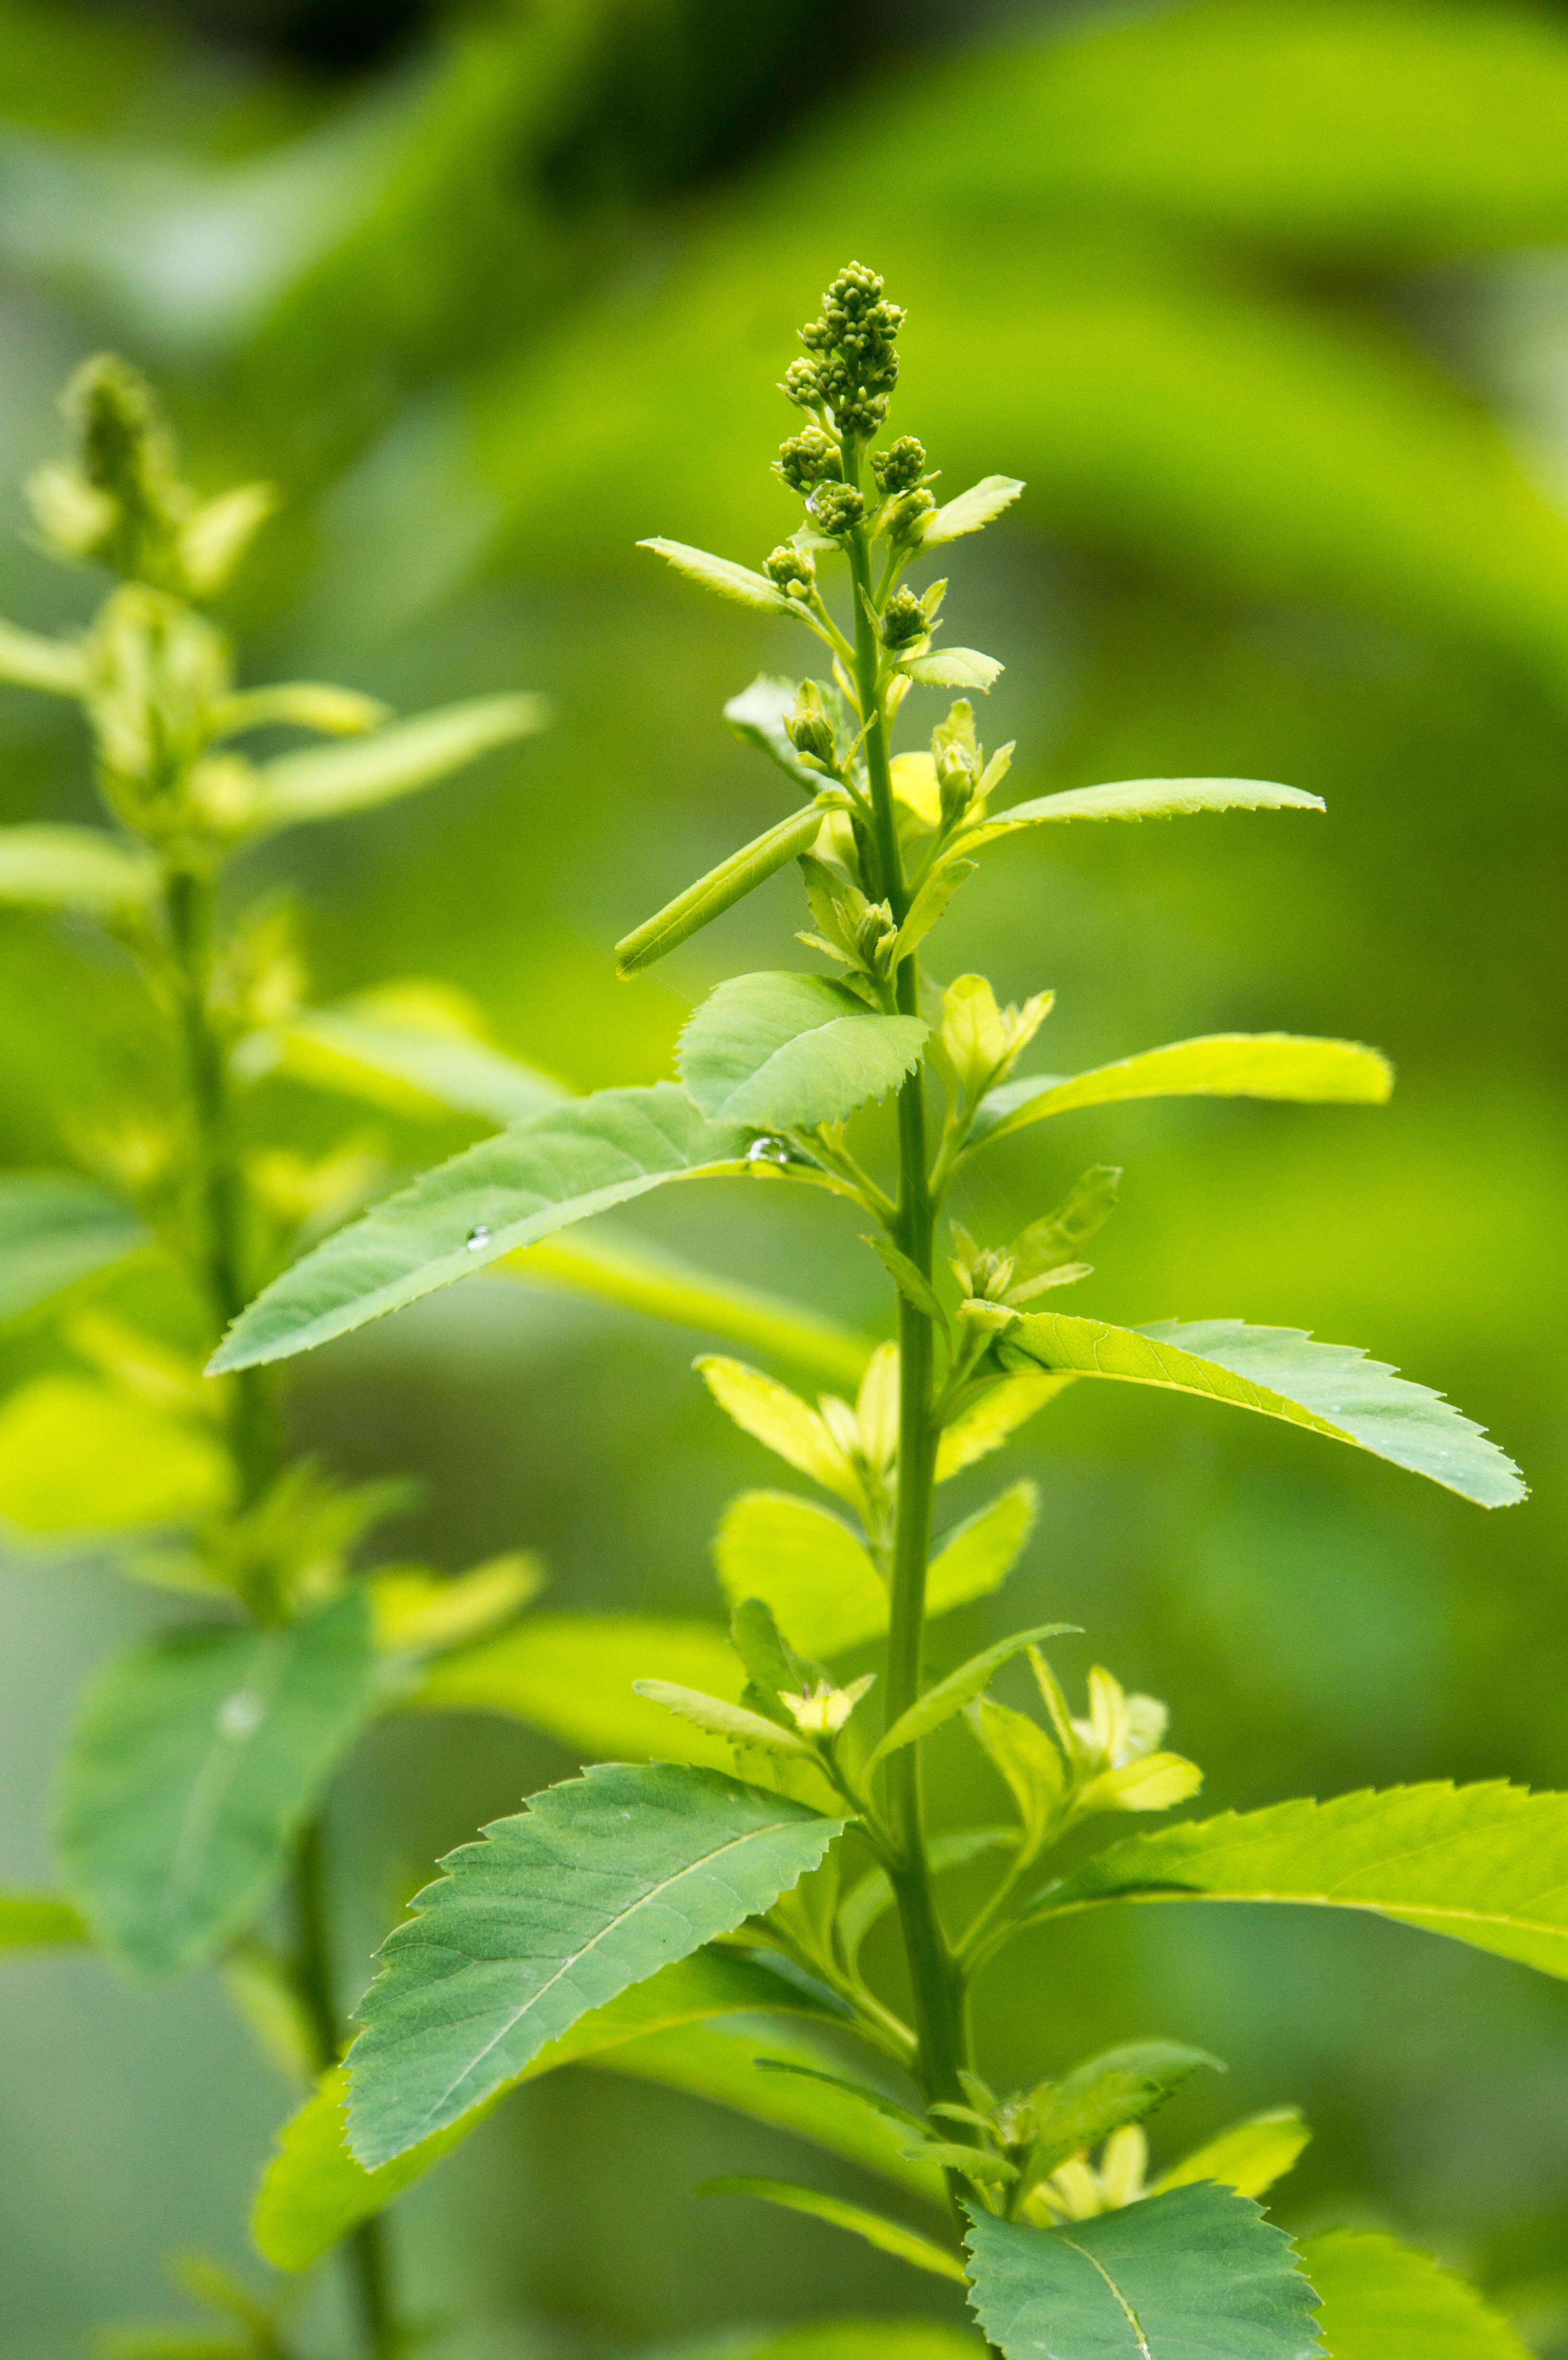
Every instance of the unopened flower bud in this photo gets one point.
(821, 1711)
(808, 728)
(904, 520)
(904, 620)
(874, 932)
(791, 570)
(992, 1274)
(900, 467)
(799, 383)
(809, 458)
(957, 779)
(836, 509)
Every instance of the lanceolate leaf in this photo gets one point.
(806, 1565)
(1182, 2277)
(571, 1675)
(977, 1555)
(722, 574)
(507, 1193)
(35, 1921)
(778, 1050)
(1383, 2301)
(195, 1760)
(1215, 1066)
(972, 509)
(1143, 798)
(1331, 1388)
(719, 891)
(340, 1048)
(950, 1695)
(596, 1886)
(54, 1229)
(1250, 2157)
(731, 1722)
(887, 2236)
(314, 2191)
(80, 868)
(331, 779)
(1122, 2086)
(988, 1420)
(1488, 1864)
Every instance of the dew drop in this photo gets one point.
(241, 1714)
(768, 1151)
(478, 1238)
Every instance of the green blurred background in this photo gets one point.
(1269, 304)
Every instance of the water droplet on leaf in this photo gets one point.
(767, 1150)
(241, 1714)
(478, 1238)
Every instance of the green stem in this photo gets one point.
(365, 2250)
(936, 1983)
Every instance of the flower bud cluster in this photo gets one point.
(900, 467)
(791, 570)
(809, 728)
(854, 362)
(835, 510)
(904, 620)
(808, 459)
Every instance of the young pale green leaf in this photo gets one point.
(722, 574)
(978, 1554)
(1250, 2157)
(861, 2091)
(1182, 2277)
(571, 1675)
(1215, 1066)
(778, 1051)
(806, 1566)
(909, 1278)
(597, 1884)
(992, 1417)
(300, 705)
(55, 1229)
(731, 1722)
(29, 660)
(1382, 2302)
(421, 1613)
(36, 1921)
(954, 668)
(1028, 1762)
(950, 1695)
(758, 717)
(928, 905)
(79, 1456)
(1330, 1389)
(194, 1762)
(329, 781)
(83, 869)
(719, 891)
(1097, 2098)
(508, 1192)
(889, 2237)
(315, 2192)
(782, 1421)
(1143, 798)
(971, 511)
(399, 1065)
(1488, 1864)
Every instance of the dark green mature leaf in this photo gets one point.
(1488, 1864)
(314, 2190)
(1216, 1065)
(889, 2237)
(778, 1051)
(329, 780)
(1330, 1389)
(194, 1762)
(80, 868)
(55, 1229)
(597, 1884)
(1383, 2301)
(555, 1168)
(1182, 2277)
(38, 1921)
(1098, 2097)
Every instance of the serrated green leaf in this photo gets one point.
(1331, 1388)
(329, 780)
(887, 2236)
(722, 574)
(572, 1675)
(977, 1555)
(1383, 2301)
(55, 1229)
(78, 1455)
(1098, 2097)
(954, 668)
(1488, 1864)
(1176, 2277)
(36, 1921)
(757, 715)
(193, 1763)
(29, 660)
(806, 1566)
(781, 1421)
(720, 890)
(492, 1200)
(971, 511)
(730, 1722)
(950, 1695)
(598, 1884)
(313, 2191)
(83, 869)
(1249, 2157)
(988, 1420)
(1136, 799)
(1215, 1066)
(778, 1051)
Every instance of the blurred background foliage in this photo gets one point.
(1268, 302)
